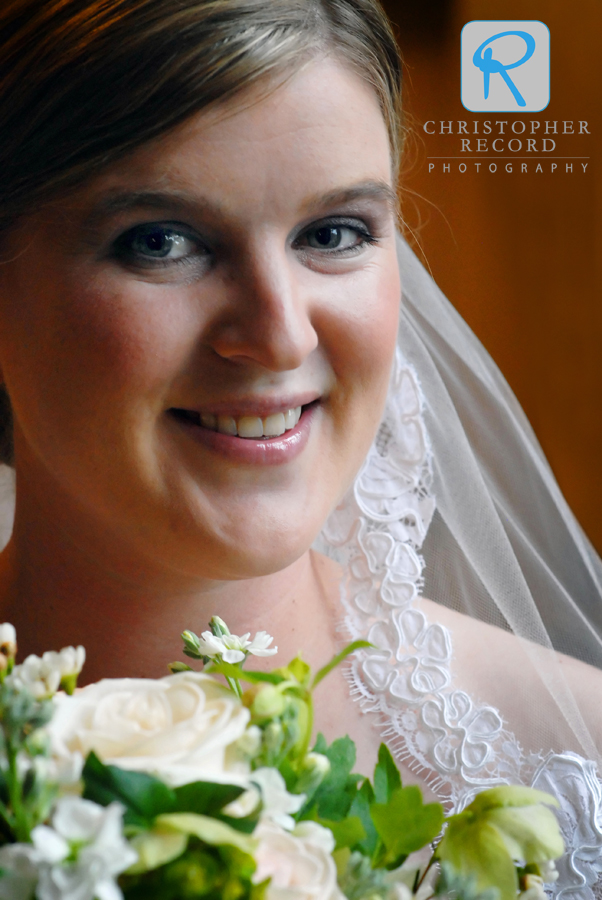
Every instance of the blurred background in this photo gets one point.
(519, 255)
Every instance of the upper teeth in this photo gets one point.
(253, 426)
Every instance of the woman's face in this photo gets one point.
(159, 325)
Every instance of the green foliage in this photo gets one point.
(404, 824)
(362, 803)
(347, 832)
(386, 826)
(202, 871)
(386, 776)
(229, 670)
(452, 884)
(146, 797)
(143, 795)
(25, 796)
(333, 798)
(501, 826)
(339, 658)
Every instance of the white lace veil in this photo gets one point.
(457, 503)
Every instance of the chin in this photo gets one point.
(262, 552)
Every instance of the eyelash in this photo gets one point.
(123, 250)
(360, 228)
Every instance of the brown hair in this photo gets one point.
(83, 82)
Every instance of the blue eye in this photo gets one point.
(327, 237)
(337, 237)
(147, 243)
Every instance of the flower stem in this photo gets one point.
(21, 827)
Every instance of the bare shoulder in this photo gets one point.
(533, 687)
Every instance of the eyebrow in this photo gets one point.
(366, 190)
(168, 200)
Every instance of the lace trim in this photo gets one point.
(457, 745)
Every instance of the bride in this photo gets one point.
(213, 403)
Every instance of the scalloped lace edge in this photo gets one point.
(456, 745)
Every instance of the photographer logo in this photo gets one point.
(505, 66)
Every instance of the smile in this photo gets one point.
(252, 427)
(271, 439)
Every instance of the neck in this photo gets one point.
(61, 585)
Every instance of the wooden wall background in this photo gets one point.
(519, 255)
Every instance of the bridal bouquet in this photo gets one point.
(204, 784)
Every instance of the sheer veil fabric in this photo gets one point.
(455, 502)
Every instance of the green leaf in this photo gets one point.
(505, 825)
(143, 795)
(246, 824)
(338, 659)
(204, 797)
(249, 675)
(347, 833)
(298, 670)
(155, 848)
(509, 795)
(405, 824)
(473, 847)
(386, 776)
(334, 796)
(320, 746)
(530, 833)
(208, 830)
(360, 807)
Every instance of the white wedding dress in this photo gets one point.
(455, 501)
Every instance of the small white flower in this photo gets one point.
(232, 648)
(69, 661)
(8, 639)
(400, 892)
(42, 676)
(260, 645)
(37, 676)
(533, 888)
(249, 743)
(229, 646)
(19, 864)
(548, 871)
(278, 804)
(268, 787)
(91, 837)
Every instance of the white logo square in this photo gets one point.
(505, 66)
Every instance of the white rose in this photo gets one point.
(181, 728)
(299, 863)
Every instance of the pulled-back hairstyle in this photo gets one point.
(82, 82)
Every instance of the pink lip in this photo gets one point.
(268, 452)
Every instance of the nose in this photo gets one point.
(267, 319)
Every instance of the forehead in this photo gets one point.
(319, 131)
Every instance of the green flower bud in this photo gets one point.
(268, 703)
(314, 769)
(218, 626)
(273, 736)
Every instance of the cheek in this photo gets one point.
(90, 357)
(361, 346)
(367, 333)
